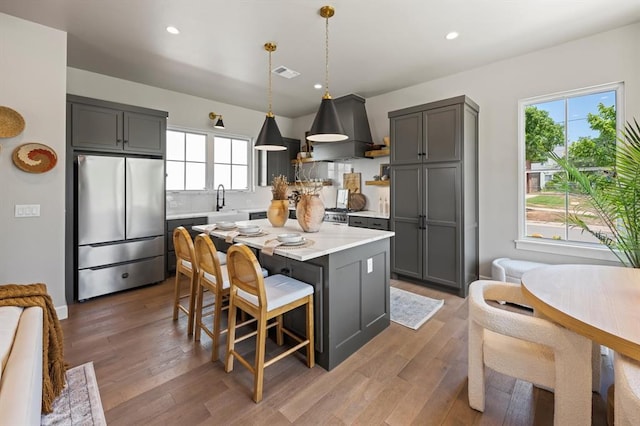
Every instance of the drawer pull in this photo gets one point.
(125, 275)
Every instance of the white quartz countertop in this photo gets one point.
(331, 238)
(221, 212)
(369, 213)
(187, 215)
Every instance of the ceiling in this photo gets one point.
(375, 46)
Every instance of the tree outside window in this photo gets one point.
(581, 128)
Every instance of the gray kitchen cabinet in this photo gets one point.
(98, 125)
(275, 163)
(257, 215)
(369, 222)
(426, 136)
(310, 274)
(172, 224)
(436, 239)
(351, 299)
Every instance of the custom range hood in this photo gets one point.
(354, 119)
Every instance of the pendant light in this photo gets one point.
(327, 126)
(269, 138)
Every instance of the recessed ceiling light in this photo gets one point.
(173, 30)
(317, 86)
(452, 35)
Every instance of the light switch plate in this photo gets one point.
(27, 210)
(369, 265)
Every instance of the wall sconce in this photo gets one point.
(217, 119)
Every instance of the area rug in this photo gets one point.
(79, 403)
(412, 310)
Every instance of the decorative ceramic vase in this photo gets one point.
(310, 212)
(278, 213)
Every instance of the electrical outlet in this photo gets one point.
(27, 210)
(369, 265)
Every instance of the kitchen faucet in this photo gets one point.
(218, 205)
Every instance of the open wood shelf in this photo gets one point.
(377, 182)
(377, 153)
(326, 182)
(303, 160)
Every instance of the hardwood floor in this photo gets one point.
(150, 372)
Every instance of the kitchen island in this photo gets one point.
(350, 271)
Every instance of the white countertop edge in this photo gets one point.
(187, 215)
(369, 213)
(320, 247)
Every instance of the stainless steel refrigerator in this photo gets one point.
(120, 223)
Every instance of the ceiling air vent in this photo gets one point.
(285, 72)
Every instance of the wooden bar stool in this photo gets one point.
(213, 277)
(264, 299)
(185, 265)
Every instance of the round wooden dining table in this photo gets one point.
(598, 302)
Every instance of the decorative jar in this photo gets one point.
(278, 213)
(310, 212)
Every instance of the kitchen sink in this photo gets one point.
(227, 216)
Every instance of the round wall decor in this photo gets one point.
(11, 122)
(34, 157)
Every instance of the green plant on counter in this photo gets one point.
(614, 196)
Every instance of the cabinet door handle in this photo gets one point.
(423, 222)
(126, 141)
(285, 271)
(118, 141)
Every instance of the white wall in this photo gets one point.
(185, 111)
(33, 82)
(602, 58)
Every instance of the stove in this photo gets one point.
(336, 215)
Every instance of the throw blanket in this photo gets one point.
(53, 366)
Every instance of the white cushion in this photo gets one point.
(186, 264)
(21, 386)
(222, 257)
(280, 290)
(225, 276)
(529, 361)
(511, 270)
(9, 319)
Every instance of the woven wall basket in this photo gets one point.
(11, 122)
(34, 158)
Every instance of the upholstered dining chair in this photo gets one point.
(214, 278)
(627, 391)
(185, 265)
(265, 299)
(529, 348)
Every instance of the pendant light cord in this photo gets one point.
(270, 113)
(326, 59)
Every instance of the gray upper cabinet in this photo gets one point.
(434, 155)
(274, 163)
(406, 139)
(98, 125)
(426, 136)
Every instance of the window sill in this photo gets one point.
(566, 249)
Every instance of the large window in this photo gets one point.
(201, 161)
(231, 163)
(186, 161)
(581, 126)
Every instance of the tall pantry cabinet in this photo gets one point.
(434, 193)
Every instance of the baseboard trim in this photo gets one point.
(62, 312)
